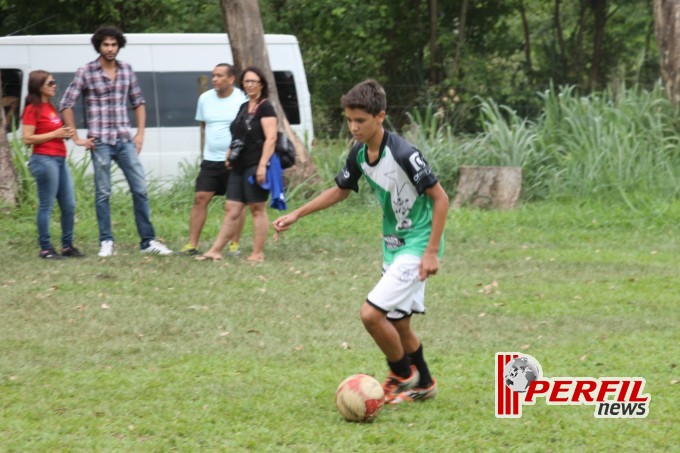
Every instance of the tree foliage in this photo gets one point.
(511, 49)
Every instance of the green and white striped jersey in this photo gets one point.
(399, 179)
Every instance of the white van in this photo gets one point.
(171, 69)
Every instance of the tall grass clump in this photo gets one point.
(621, 144)
(435, 138)
(506, 140)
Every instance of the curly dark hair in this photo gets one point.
(368, 95)
(107, 31)
(260, 74)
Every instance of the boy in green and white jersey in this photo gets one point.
(414, 214)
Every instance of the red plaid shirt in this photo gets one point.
(106, 103)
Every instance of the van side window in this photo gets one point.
(171, 97)
(11, 96)
(146, 83)
(285, 84)
(178, 94)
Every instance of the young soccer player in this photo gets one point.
(414, 213)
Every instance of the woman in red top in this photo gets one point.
(43, 129)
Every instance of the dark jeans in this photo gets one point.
(125, 155)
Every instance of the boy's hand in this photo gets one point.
(429, 265)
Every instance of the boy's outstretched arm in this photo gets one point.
(326, 199)
(429, 263)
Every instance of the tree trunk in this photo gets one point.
(9, 182)
(527, 38)
(246, 37)
(578, 68)
(434, 64)
(488, 187)
(667, 28)
(461, 39)
(599, 8)
(557, 20)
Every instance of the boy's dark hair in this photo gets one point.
(368, 95)
(260, 74)
(107, 32)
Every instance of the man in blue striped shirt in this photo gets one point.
(107, 84)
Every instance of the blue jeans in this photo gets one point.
(54, 182)
(124, 154)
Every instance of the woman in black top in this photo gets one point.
(253, 140)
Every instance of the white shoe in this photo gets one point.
(157, 247)
(106, 249)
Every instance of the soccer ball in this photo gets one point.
(360, 398)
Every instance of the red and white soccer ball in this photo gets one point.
(360, 398)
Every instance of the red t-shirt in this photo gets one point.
(46, 121)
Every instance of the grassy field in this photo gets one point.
(139, 353)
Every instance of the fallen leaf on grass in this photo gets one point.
(299, 347)
(224, 334)
(104, 307)
(674, 381)
(81, 307)
(345, 345)
(490, 288)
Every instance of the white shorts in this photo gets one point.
(399, 292)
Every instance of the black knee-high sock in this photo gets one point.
(418, 360)
(401, 367)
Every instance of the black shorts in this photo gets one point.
(241, 190)
(212, 177)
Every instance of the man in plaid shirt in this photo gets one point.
(106, 84)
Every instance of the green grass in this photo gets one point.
(139, 353)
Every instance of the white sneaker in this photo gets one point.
(106, 249)
(158, 248)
